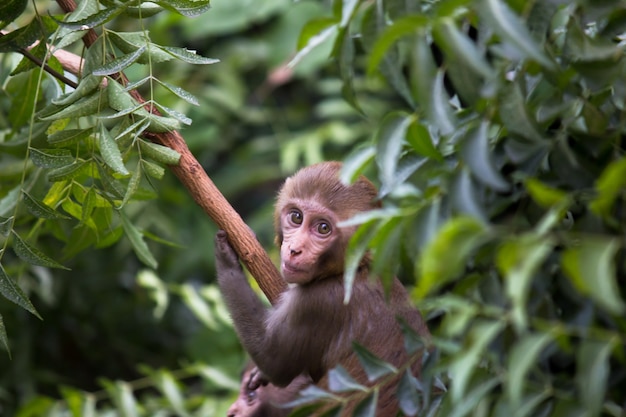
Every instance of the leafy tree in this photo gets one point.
(498, 149)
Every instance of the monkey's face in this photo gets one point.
(309, 242)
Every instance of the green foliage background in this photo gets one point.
(493, 128)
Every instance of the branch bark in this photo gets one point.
(206, 195)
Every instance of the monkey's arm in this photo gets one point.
(271, 351)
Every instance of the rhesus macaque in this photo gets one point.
(310, 330)
(264, 400)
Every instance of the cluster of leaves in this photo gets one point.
(503, 177)
(84, 141)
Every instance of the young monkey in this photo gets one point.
(310, 330)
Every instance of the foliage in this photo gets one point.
(497, 145)
(502, 175)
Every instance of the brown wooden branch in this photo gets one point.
(206, 195)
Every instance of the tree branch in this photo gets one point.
(206, 195)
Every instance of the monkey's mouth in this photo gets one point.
(291, 270)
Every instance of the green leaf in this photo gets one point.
(459, 46)
(367, 407)
(12, 292)
(466, 361)
(464, 196)
(159, 153)
(518, 260)
(69, 137)
(544, 195)
(593, 372)
(86, 86)
(118, 64)
(33, 255)
(10, 200)
(3, 334)
(68, 172)
(188, 56)
(374, 367)
(508, 25)
(157, 291)
(339, 380)
(523, 356)
(39, 209)
(312, 28)
(51, 158)
(591, 267)
(189, 8)
(38, 28)
(6, 225)
(444, 258)
(172, 392)
(355, 163)
(326, 35)
(408, 395)
(181, 93)
(133, 185)
(10, 10)
(420, 140)
(409, 25)
(139, 245)
(609, 186)
(97, 19)
(86, 106)
(110, 152)
(478, 155)
(390, 140)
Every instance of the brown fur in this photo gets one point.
(310, 330)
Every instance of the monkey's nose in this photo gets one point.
(294, 252)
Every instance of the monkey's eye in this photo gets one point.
(295, 216)
(323, 228)
(251, 396)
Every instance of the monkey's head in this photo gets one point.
(310, 206)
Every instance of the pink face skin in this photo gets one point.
(309, 230)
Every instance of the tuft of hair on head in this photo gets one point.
(322, 183)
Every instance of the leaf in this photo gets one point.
(515, 114)
(51, 158)
(188, 56)
(110, 152)
(181, 93)
(69, 136)
(12, 292)
(38, 28)
(518, 260)
(39, 209)
(374, 366)
(466, 361)
(189, 8)
(523, 356)
(139, 245)
(590, 267)
(33, 255)
(408, 395)
(367, 407)
(593, 372)
(464, 196)
(339, 380)
(459, 46)
(118, 64)
(10, 200)
(355, 163)
(409, 25)
(159, 153)
(86, 86)
(9, 11)
(390, 139)
(133, 185)
(86, 106)
(96, 19)
(6, 225)
(507, 24)
(172, 392)
(544, 195)
(420, 140)
(439, 109)
(324, 36)
(68, 172)
(477, 154)
(444, 258)
(609, 186)
(157, 291)
(3, 333)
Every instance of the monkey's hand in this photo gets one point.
(225, 256)
(257, 378)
